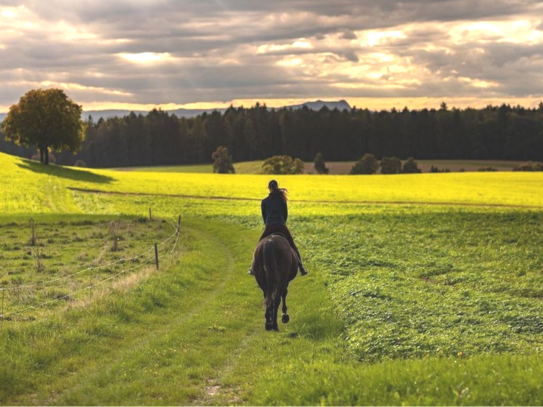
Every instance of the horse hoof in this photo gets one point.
(276, 328)
(285, 318)
(268, 327)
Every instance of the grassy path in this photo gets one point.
(199, 339)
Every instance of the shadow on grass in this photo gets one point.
(65, 172)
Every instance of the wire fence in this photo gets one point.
(176, 225)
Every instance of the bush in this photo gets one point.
(222, 162)
(529, 166)
(283, 164)
(320, 165)
(436, 169)
(487, 169)
(390, 165)
(366, 165)
(411, 167)
(80, 163)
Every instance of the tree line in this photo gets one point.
(159, 138)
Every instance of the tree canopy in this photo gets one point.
(283, 164)
(47, 119)
(256, 133)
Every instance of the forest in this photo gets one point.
(158, 138)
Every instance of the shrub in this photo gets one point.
(283, 164)
(80, 163)
(529, 166)
(411, 167)
(320, 165)
(487, 169)
(436, 169)
(390, 165)
(366, 165)
(222, 162)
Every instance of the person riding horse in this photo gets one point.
(275, 215)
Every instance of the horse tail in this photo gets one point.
(270, 267)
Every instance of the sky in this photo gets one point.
(140, 54)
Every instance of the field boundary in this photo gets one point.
(224, 198)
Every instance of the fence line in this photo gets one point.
(81, 290)
(44, 283)
(90, 286)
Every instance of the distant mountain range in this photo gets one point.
(106, 114)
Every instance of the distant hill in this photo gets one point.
(106, 114)
(317, 105)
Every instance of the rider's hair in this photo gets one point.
(274, 188)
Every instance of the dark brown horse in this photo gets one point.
(274, 265)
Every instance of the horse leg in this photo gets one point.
(275, 306)
(268, 316)
(285, 318)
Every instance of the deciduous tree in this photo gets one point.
(48, 119)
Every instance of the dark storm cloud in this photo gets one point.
(214, 50)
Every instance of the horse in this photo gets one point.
(274, 266)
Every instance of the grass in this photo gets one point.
(404, 304)
(47, 189)
(57, 257)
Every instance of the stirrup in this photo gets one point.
(250, 272)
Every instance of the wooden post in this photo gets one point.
(156, 256)
(2, 314)
(90, 283)
(150, 214)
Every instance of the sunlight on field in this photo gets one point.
(27, 186)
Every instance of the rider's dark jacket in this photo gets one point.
(274, 210)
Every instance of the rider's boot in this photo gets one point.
(303, 271)
(301, 267)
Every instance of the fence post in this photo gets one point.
(156, 256)
(2, 314)
(150, 214)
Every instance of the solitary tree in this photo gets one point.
(222, 162)
(366, 165)
(48, 119)
(320, 165)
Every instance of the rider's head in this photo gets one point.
(273, 186)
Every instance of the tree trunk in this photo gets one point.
(46, 156)
(41, 155)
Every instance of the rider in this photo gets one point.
(275, 214)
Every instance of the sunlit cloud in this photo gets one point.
(160, 53)
(8, 13)
(146, 57)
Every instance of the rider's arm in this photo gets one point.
(285, 211)
(263, 206)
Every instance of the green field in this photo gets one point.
(336, 167)
(423, 289)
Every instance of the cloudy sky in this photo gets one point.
(378, 54)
